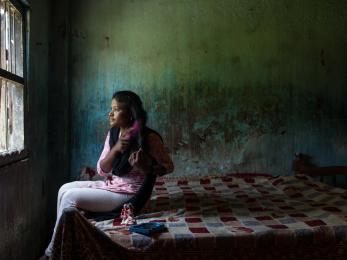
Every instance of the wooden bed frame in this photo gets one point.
(73, 221)
(302, 165)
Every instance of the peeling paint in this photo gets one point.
(231, 85)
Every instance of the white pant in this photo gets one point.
(77, 194)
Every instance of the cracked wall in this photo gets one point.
(233, 86)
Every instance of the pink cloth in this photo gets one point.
(131, 182)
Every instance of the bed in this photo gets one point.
(233, 216)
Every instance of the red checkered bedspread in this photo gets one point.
(225, 212)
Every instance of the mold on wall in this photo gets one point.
(233, 86)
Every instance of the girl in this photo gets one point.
(133, 156)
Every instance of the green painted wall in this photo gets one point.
(233, 86)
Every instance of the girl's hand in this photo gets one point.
(122, 144)
(109, 180)
(141, 161)
(125, 139)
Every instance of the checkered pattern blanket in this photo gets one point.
(238, 211)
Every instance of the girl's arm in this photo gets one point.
(104, 153)
(159, 152)
(108, 155)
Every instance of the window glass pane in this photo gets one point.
(12, 116)
(3, 34)
(18, 44)
(3, 117)
(15, 116)
(11, 54)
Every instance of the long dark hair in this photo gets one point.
(133, 103)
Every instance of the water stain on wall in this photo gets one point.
(231, 85)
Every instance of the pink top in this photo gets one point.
(131, 182)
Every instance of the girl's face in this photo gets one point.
(119, 115)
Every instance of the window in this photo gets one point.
(12, 79)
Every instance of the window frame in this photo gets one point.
(12, 156)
